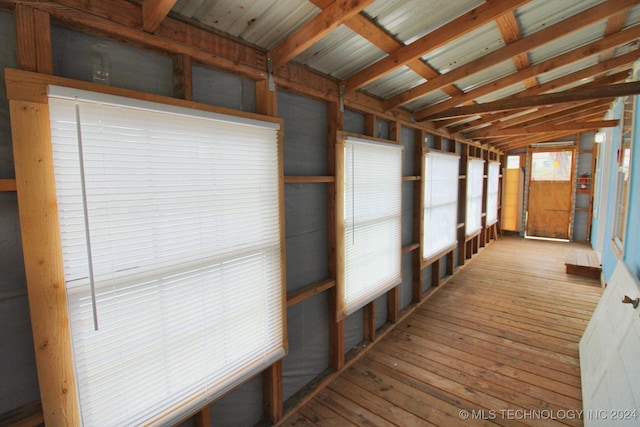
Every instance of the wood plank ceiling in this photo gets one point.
(507, 73)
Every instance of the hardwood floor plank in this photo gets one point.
(324, 416)
(497, 344)
(386, 409)
(356, 414)
(426, 403)
(516, 372)
(545, 396)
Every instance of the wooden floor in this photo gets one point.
(496, 345)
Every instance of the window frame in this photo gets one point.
(27, 94)
(622, 191)
(426, 229)
(345, 308)
(493, 189)
(477, 182)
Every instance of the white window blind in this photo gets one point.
(475, 178)
(372, 200)
(492, 192)
(178, 225)
(440, 185)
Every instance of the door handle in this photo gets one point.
(633, 302)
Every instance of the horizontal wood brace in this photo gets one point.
(7, 185)
(410, 247)
(312, 289)
(296, 179)
(437, 257)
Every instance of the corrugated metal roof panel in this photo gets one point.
(425, 101)
(393, 83)
(567, 43)
(567, 69)
(264, 23)
(539, 14)
(502, 93)
(490, 74)
(341, 53)
(633, 17)
(408, 20)
(464, 49)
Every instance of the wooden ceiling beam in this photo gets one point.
(510, 30)
(497, 118)
(554, 115)
(368, 29)
(466, 23)
(537, 139)
(581, 20)
(153, 12)
(547, 114)
(573, 110)
(322, 24)
(577, 127)
(622, 89)
(556, 62)
(615, 23)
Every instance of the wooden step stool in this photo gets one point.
(583, 263)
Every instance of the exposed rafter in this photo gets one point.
(368, 29)
(460, 26)
(623, 89)
(321, 25)
(501, 118)
(574, 127)
(153, 12)
(553, 32)
(556, 62)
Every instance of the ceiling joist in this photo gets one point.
(622, 89)
(535, 40)
(322, 24)
(153, 12)
(574, 127)
(481, 15)
(556, 62)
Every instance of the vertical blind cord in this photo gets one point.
(86, 218)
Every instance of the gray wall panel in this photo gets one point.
(128, 67)
(407, 212)
(353, 121)
(243, 407)
(407, 137)
(223, 90)
(308, 334)
(381, 311)
(353, 330)
(19, 384)
(306, 234)
(305, 134)
(382, 129)
(406, 288)
(580, 225)
(7, 60)
(12, 276)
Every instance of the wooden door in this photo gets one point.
(609, 355)
(550, 184)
